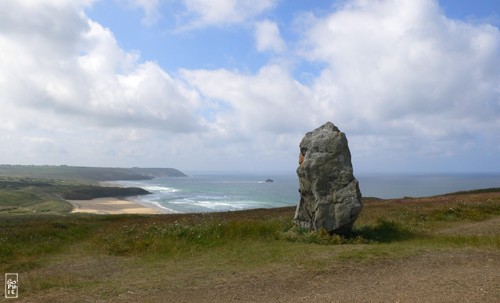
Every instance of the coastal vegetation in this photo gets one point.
(86, 174)
(29, 195)
(78, 257)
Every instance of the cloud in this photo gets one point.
(200, 13)
(403, 72)
(64, 78)
(151, 10)
(268, 38)
(66, 64)
(269, 101)
(404, 82)
(258, 117)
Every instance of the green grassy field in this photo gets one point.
(44, 196)
(107, 255)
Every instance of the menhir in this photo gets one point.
(329, 194)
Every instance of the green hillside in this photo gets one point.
(89, 174)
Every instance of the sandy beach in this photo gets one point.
(106, 206)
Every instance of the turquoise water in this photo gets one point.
(203, 192)
(209, 192)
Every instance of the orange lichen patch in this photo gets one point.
(301, 158)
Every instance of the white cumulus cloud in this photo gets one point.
(201, 13)
(405, 76)
(64, 77)
(269, 101)
(268, 38)
(151, 10)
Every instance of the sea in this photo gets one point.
(201, 192)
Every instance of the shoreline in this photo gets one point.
(113, 206)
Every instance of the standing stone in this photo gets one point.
(329, 194)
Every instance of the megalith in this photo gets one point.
(329, 194)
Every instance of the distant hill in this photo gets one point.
(158, 172)
(81, 173)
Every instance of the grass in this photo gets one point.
(35, 196)
(28, 237)
(25, 240)
(15, 202)
(188, 246)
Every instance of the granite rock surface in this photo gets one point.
(330, 198)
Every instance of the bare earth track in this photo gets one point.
(460, 276)
(434, 277)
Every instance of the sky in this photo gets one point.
(233, 85)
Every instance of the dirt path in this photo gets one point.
(484, 228)
(465, 276)
(438, 276)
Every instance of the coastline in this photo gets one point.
(219, 193)
(112, 206)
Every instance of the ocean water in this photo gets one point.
(211, 192)
(389, 186)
